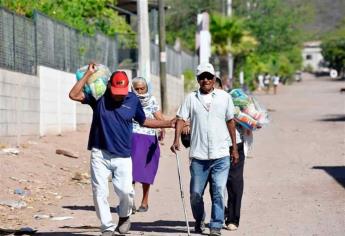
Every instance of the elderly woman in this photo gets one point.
(145, 146)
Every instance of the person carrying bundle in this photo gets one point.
(110, 144)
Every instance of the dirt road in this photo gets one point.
(294, 176)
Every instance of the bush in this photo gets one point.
(190, 82)
(308, 68)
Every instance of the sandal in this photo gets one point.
(142, 209)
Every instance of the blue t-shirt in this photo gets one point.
(111, 127)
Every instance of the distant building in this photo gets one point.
(312, 57)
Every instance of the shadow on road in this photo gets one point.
(337, 172)
(161, 226)
(80, 227)
(64, 234)
(87, 208)
(334, 118)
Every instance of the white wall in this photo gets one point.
(175, 91)
(57, 111)
(39, 105)
(84, 115)
(19, 107)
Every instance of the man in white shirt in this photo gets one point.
(275, 81)
(211, 113)
(261, 81)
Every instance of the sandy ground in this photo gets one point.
(294, 176)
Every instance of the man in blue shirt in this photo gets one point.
(110, 145)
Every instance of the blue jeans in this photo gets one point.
(218, 171)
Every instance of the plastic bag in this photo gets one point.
(239, 98)
(263, 119)
(245, 120)
(97, 83)
(248, 112)
(247, 142)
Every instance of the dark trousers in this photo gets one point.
(234, 186)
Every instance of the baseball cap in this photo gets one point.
(205, 67)
(119, 83)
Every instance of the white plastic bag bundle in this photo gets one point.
(247, 142)
(97, 83)
(248, 112)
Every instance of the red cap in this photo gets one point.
(119, 83)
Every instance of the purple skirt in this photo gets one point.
(145, 158)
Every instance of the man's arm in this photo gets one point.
(179, 126)
(159, 116)
(76, 92)
(232, 131)
(152, 123)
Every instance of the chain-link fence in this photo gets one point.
(177, 62)
(154, 54)
(63, 48)
(17, 43)
(26, 43)
(188, 61)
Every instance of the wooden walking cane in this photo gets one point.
(181, 190)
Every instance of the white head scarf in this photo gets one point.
(144, 98)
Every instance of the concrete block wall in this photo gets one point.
(175, 93)
(19, 107)
(156, 89)
(32, 106)
(175, 89)
(57, 111)
(84, 115)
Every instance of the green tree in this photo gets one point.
(88, 16)
(276, 25)
(333, 49)
(181, 19)
(225, 29)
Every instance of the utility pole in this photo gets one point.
(162, 56)
(230, 57)
(203, 37)
(144, 42)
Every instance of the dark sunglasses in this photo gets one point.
(207, 77)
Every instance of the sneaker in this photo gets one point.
(124, 225)
(215, 232)
(231, 227)
(107, 233)
(199, 227)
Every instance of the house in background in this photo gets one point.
(312, 58)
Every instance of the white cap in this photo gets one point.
(205, 67)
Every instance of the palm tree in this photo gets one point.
(230, 29)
